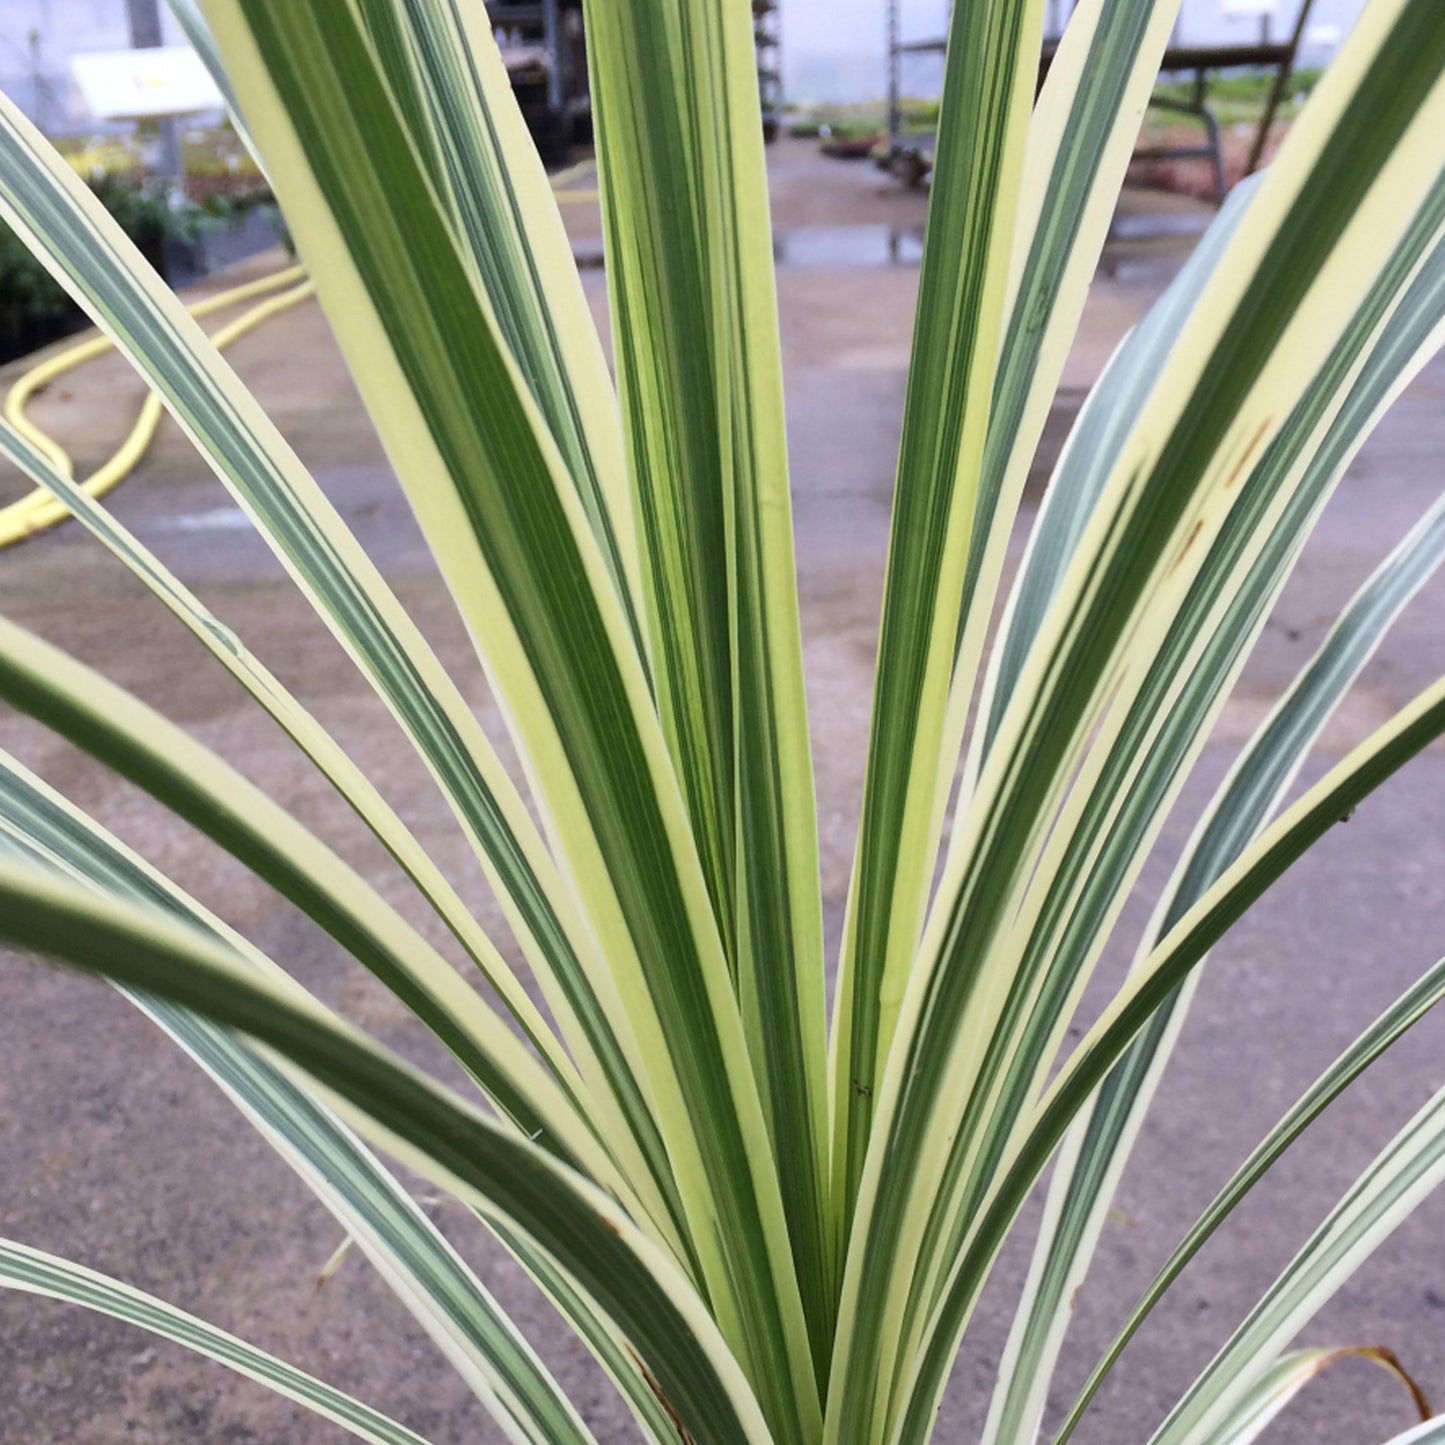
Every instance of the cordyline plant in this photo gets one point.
(765, 1228)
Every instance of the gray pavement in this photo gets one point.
(114, 1151)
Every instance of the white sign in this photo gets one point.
(134, 84)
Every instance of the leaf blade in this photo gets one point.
(456, 1146)
(509, 535)
(37, 1272)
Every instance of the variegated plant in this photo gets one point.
(765, 1229)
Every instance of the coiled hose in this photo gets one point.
(39, 509)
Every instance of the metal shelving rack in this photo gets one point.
(546, 55)
(909, 155)
(543, 46)
(767, 40)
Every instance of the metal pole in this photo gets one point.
(37, 79)
(145, 34)
(552, 39)
(145, 23)
(1276, 94)
(895, 105)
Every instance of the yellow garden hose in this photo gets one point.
(39, 510)
(561, 180)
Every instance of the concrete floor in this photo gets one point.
(112, 1151)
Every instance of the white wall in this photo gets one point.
(834, 50)
(37, 39)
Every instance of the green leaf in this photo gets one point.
(1353, 779)
(456, 96)
(1158, 724)
(760, 1240)
(1274, 1389)
(1111, 409)
(43, 198)
(689, 267)
(39, 827)
(1402, 1015)
(266, 689)
(1399, 1177)
(1101, 1141)
(1082, 134)
(608, 1345)
(430, 1130)
(38, 1273)
(1322, 227)
(988, 90)
(156, 755)
(492, 496)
